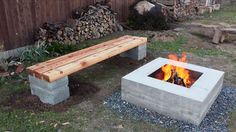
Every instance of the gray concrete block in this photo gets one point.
(137, 53)
(187, 104)
(51, 97)
(51, 93)
(47, 85)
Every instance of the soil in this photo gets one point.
(24, 100)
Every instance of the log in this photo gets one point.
(217, 36)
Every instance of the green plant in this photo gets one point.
(35, 54)
(59, 48)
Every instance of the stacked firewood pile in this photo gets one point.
(94, 22)
(184, 10)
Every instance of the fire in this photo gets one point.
(175, 74)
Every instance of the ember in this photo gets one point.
(175, 74)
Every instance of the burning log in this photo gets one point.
(175, 74)
(174, 78)
(94, 22)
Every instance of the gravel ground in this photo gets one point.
(215, 120)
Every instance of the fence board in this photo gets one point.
(20, 18)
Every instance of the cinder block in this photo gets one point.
(51, 97)
(47, 85)
(137, 53)
(186, 104)
(51, 93)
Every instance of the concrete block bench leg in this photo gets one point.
(50, 93)
(137, 53)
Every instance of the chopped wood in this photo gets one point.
(94, 22)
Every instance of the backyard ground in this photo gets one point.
(85, 110)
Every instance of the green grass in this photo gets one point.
(205, 52)
(169, 46)
(234, 61)
(226, 14)
(177, 46)
(19, 120)
(12, 85)
(232, 121)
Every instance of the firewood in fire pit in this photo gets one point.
(174, 78)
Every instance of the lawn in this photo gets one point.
(90, 114)
(226, 15)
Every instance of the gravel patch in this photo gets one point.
(215, 120)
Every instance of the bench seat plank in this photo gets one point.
(79, 55)
(31, 69)
(62, 66)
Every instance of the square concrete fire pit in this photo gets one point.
(186, 104)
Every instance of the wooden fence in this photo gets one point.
(20, 18)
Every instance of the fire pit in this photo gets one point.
(174, 88)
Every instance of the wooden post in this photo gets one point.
(217, 36)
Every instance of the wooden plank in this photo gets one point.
(52, 61)
(63, 71)
(29, 24)
(229, 30)
(3, 26)
(9, 23)
(81, 54)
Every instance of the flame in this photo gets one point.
(181, 72)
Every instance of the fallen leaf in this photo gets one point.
(41, 122)
(55, 125)
(66, 123)
(20, 68)
(118, 126)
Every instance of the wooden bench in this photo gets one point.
(49, 81)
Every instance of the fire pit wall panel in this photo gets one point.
(178, 102)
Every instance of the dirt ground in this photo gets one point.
(85, 110)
